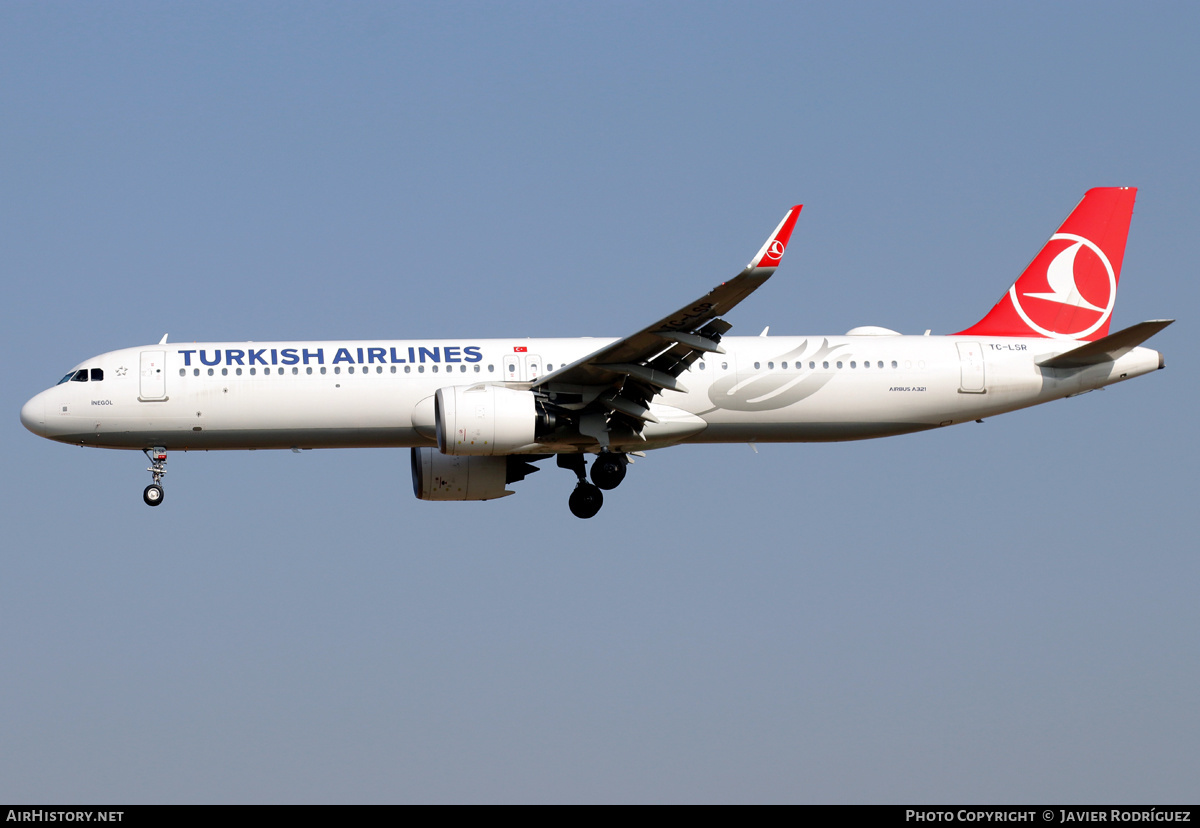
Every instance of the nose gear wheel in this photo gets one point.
(153, 494)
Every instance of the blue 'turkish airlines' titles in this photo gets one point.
(316, 356)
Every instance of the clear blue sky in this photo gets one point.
(1002, 612)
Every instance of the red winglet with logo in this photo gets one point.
(772, 252)
(1069, 289)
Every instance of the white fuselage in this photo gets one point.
(239, 395)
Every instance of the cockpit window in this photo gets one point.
(97, 375)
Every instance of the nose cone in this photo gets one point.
(33, 415)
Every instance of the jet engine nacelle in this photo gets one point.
(485, 419)
(438, 476)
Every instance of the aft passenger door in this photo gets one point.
(970, 358)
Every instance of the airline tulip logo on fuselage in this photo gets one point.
(1064, 290)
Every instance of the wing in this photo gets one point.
(623, 377)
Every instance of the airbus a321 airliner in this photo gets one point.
(477, 413)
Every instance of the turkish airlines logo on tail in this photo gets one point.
(1075, 283)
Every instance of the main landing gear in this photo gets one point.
(608, 470)
(153, 495)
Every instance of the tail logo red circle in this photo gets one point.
(1064, 290)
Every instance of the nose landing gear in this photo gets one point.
(153, 495)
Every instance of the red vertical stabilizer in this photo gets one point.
(1069, 289)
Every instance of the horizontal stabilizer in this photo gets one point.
(1106, 349)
